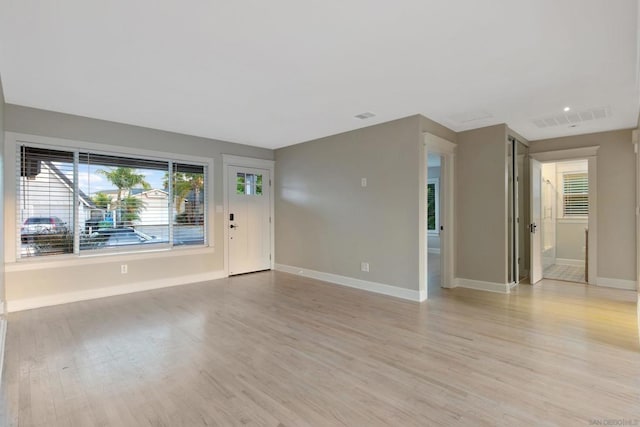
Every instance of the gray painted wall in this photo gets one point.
(325, 220)
(41, 282)
(570, 240)
(428, 125)
(616, 198)
(481, 204)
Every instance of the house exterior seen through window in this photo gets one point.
(79, 202)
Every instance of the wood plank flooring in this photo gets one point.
(275, 349)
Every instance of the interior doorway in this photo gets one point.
(436, 213)
(434, 202)
(565, 220)
(563, 216)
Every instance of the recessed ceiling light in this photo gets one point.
(567, 109)
(365, 115)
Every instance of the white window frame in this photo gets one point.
(12, 140)
(436, 231)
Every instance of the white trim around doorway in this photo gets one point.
(249, 162)
(589, 154)
(446, 149)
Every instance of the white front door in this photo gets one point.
(249, 219)
(536, 221)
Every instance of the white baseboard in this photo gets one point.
(629, 285)
(48, 300)
(379, 288)
(571, 262)
(503, 288)
(433, 250)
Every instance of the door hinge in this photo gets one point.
(269, 257)
(269, 183)
(269, 220)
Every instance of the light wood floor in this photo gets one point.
(281, 350)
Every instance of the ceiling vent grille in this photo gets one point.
(365, 115)
(573, 117)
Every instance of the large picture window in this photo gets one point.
(79, 202)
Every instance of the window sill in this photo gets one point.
(61, 261)
(580, 220)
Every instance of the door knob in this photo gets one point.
(233, 226)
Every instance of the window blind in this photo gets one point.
(72, 201)
(188, 187)
(576, 194)
(45, 216)
(123, 202)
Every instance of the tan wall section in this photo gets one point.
(570, 240)
(325, 220)
(434, 128)
(616, 198)
(481, 205)
(85, 276)
(38, 282)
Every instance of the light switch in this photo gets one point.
(363, 182)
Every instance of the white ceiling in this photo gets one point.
(275, 73)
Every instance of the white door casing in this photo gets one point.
(535, 228)
(446, 149)
(249, 217)
(249, 244)
(590, 154)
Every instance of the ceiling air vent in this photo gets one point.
(573, 117)
(365, 115)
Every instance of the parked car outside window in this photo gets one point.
(42, 225)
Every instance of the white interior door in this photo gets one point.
(249, 219)
(536, 220)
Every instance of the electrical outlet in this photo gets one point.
(124, 268)
(364, 266)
